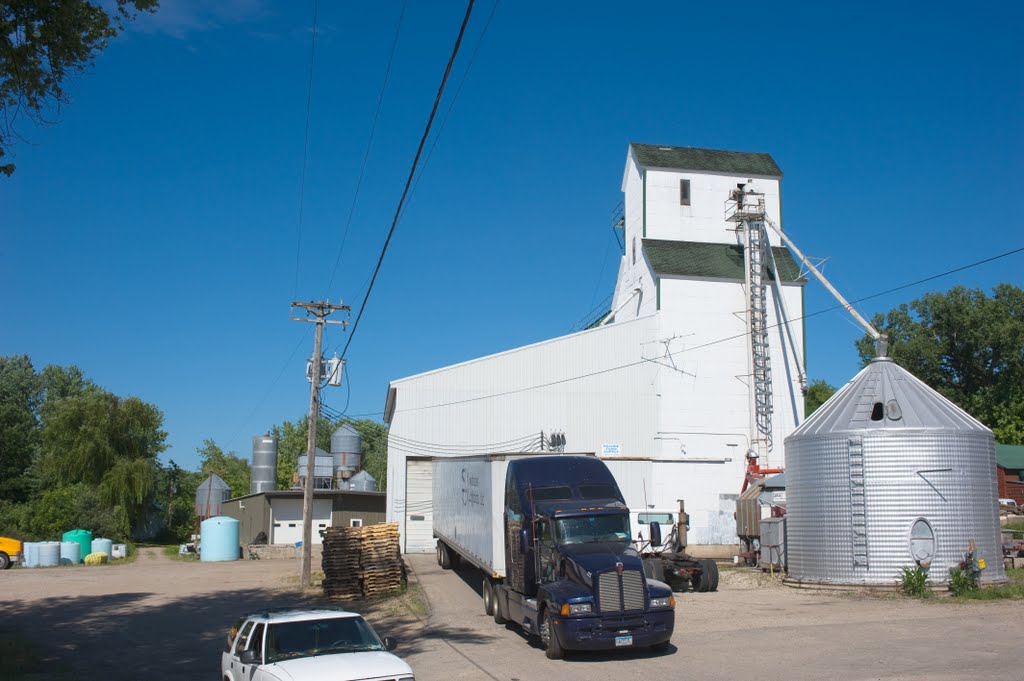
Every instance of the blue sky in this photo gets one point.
(151, 237)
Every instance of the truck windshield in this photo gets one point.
(588, 529)
(286, 640)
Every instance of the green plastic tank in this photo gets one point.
(84, 540)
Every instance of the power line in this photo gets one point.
(719, 340)
(369, 145)
(305, 145)
(412, 172)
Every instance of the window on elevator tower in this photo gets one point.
(684, 192)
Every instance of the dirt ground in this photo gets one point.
(154, 618)
(159, 618)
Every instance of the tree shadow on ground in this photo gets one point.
(146, 635)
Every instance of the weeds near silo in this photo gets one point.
(962, 582)
(914, 581)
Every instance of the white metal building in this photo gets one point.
(661, 387)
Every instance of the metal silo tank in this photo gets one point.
(362, 482)
(210, 496)
(346, 448)
(885, 469)
(264, 464)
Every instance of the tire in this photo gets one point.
(710, 570)
(654, 569)
(499, 617)
(549, 638)
(5, 561)
(488, 594)
(444, 555)
(699, 581)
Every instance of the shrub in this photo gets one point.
(914, 581)
(961, 582)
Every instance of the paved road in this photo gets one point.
(751, 628)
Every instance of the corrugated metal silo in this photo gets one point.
(346, 446)
(888, 474)
(362, 482)
(210, 495)
(264, 464)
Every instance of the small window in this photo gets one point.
(660, 518)
(598, 491)
(243, 637)
(255, 642)
(232, 634)
(355, 522)
(684, 192)
(550, 493)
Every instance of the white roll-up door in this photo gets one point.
(286, 519)
(419, 517)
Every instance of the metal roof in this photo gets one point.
(718, 261)
(715, 160)
(905, 402)
(1010, 456)
(213, 483)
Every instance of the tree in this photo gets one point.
(967, 346)
(19, 427)
(233, 469)
(293, 442)
(43, 43)
(818, 393)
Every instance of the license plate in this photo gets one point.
(623, 641)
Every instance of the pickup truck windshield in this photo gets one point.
(585, 530)
(287, 640)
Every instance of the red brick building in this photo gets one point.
(1010, 472)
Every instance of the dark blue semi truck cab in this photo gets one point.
(572, 576)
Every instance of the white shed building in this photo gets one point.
(661, 387)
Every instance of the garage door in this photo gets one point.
(286, 520)
(419, 517)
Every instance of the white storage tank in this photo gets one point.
(889, 474)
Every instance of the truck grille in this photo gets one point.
(616, 595)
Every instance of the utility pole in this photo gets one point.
(316, 313)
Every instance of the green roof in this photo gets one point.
(715, 160)
(718, 261)
(1010, 456)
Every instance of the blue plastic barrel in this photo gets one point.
(31, 551)
(218, 539)
(70, 553)
(49, 554)
(104, 545)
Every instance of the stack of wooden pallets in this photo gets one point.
(360, 562)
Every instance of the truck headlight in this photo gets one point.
(664, 602)
(577, 609)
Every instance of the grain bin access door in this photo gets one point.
(419, 516)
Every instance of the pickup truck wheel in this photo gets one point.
(488, 594)
(5, 561)
(549, 638)
(444, 555)
(710, 569)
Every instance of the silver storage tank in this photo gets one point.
(264, 464)
(210, 496)
(889, 474)
(346, 446)
(362, 482)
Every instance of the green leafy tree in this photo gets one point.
(967, 346)
(818, 393)
(176, 494)
(105, 441)
(19, 427)
(233, 469)
(43, 43)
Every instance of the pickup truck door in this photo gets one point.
(254, 642)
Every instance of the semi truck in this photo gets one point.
(551, 535)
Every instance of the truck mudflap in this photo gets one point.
(606, 633)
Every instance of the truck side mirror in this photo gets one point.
(248, 657)
(524, 541)
(655, 534)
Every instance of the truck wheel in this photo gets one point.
(710, 570)
(444, 555)
(5, 561)
(549, 638)
(488, 594)
(698, 581)
(499, 618)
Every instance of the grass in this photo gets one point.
(1014, 590)
(172, 553)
